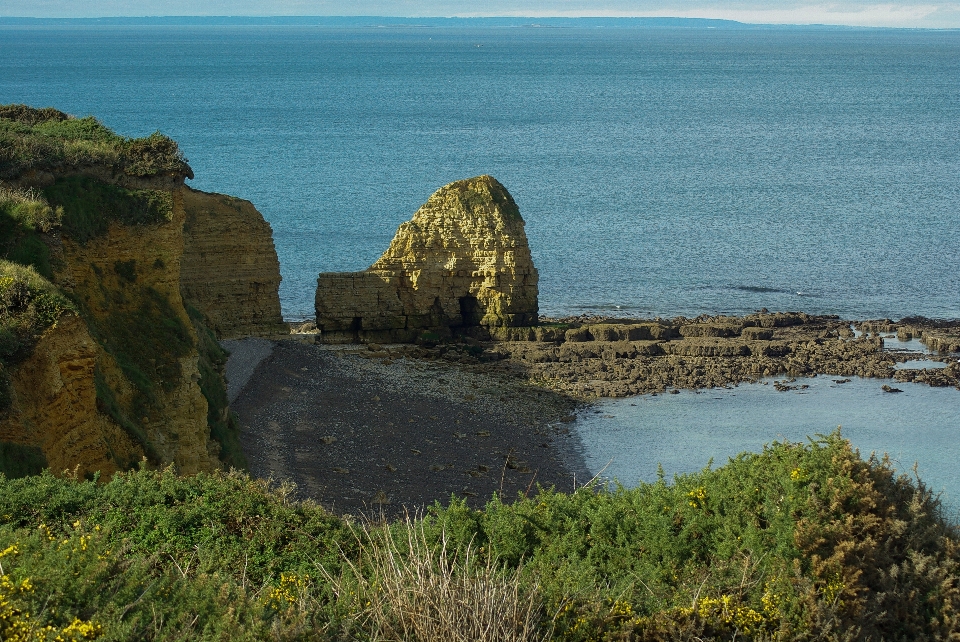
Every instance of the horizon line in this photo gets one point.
(618, 18)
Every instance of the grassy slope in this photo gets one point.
(797, 542)
(34, 140)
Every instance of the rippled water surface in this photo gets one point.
(660, 171)
(628, 438)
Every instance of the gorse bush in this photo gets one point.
(49, 140)
(799, 542)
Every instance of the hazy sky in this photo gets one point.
(909, 13)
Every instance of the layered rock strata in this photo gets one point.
(128, 285)
(462, 261)
(229, 271)
(590, 358)
(55, 405)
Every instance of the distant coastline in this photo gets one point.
(435, 22)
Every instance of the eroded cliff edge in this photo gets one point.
(461, 262)
(230, 271)
(101, 361)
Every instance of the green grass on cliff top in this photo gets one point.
(799, 542)
(49, 140)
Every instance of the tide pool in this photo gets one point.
(626, 439)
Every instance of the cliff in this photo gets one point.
(461, 262)
(120, 368)
(230, 271)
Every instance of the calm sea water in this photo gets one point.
(660, 171)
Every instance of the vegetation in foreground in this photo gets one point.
(799, 542)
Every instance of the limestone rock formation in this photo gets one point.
(230, 271)
(128, 283)
(462, 261)
(55, 388)
(122, 369)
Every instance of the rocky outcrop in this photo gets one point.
(127, 283)
(229, 271)
(620, 357)
(124, 369)
(462, 261)
(937, 336)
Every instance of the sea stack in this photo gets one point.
(461, 263)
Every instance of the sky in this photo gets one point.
(904, 13)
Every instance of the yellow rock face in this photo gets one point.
(129, 284)
(461, 261)
(55, 405)
(121, 381)
(230, 271)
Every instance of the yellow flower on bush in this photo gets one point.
(834, 589)
(698, 497)
(79, 630)
(17, 625)
(726, 612)
(288, 591)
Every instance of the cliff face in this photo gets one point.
(230, 271)
(54, 405)
(127, 283)
(462, 261)
(100, 362)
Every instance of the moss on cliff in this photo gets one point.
(108, 404)
(88, 206)
(48, 140)
(147, 339)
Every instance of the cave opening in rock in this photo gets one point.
(470, 310)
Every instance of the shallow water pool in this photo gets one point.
(627, 438)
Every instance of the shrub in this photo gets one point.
(798, 542)
(29, 304)
(24, 217)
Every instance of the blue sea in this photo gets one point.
(661, 171)
(679, 169)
